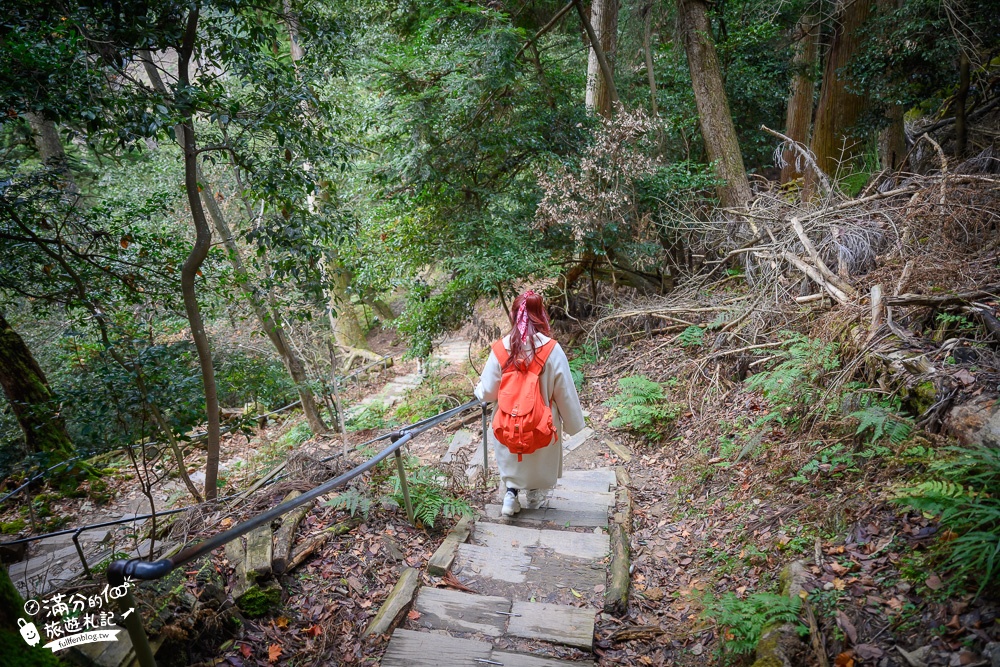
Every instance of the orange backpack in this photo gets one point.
(523, 422)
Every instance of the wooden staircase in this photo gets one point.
(538, 580)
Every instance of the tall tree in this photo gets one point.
(604, 19)
(717, 129)
(31, 399)
(833, 140)
(800, 103)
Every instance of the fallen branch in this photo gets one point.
(810, 271)
(311, 545)
(944, 299)
(818, 261)
(806, 155)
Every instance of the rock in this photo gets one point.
(977, 421)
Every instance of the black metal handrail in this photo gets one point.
(139, 569)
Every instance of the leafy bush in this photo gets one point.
(253, 378)
(585, 357)
(641, 406)
(742, 621)
(963, 492)
(882, 422)
(353, 501)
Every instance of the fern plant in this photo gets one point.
(641, 406)
(963, 491)
(741, 622)
(353, 501)
(428, 495)
(693, 336)
(586, 356)
(882, 422)
(797, 381)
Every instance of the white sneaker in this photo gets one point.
(536, 497)
(510, 504)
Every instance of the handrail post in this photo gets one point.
(401, 471)
(133, 621)
(79, 551)
(486, 452)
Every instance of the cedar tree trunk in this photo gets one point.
(604, 19)
(800, 102)
(839, 109)
(717, 129)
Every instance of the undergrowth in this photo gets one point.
(741, 622)
(641, 406)
(963, 492)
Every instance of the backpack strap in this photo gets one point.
(541, 356)
(537, 364)
(501, 352)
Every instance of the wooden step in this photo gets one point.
(444, 609)
(556, 623)
(409, 648)
(584, 516)
(578, 545)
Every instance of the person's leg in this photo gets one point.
(536, 498)
(511, 506)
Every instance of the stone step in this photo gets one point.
(578, 545)
(462, 438)
(600, 480)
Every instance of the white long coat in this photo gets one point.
(543, 468)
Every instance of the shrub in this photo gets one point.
(641, 406)
(798, 381)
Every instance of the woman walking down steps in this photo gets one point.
(539, 471)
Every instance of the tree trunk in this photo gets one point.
(800, 102)
(192, 266)
(892, 140)
(604, 19)
(275, 332)
(347, 329)
(292, 21)
(839, 109)
(647, 51)
(30, 397)
(961, 128)
(50, 148)
(717, 129)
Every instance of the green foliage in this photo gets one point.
(294, 436)
(880, 421)
(641, 406)
(586, 356)
(353, 501)
(742, 621)
(253, 378)
(693, 336)
(428, 494)
(374, 416)
(963, 492)
(797, 382)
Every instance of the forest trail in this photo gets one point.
(54, 562)
(531, 584)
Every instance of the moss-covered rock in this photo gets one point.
(260, 598)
